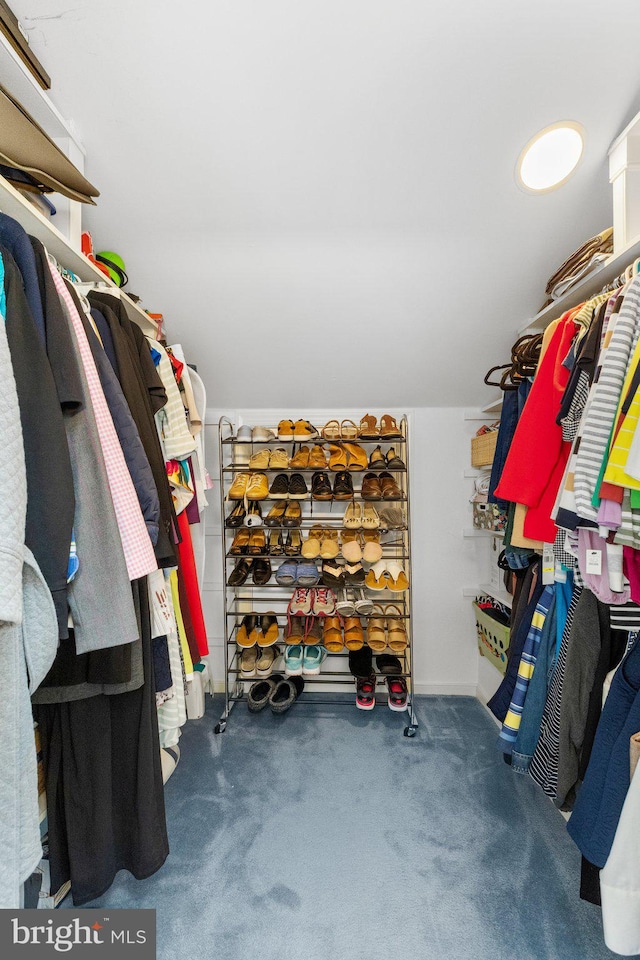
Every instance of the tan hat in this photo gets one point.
(25, 145)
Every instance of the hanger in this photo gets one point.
(492, 383)
(87, 286)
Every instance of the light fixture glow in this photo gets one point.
(549, 159)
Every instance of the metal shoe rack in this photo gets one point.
(335, 676)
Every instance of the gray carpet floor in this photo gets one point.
(327, 835)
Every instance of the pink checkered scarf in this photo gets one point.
(137, 547)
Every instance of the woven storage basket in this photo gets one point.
(493, 638)
(483, 449)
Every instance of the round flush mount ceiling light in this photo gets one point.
(551, 157)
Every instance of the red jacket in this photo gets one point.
(538, 455)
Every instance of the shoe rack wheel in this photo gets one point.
(220, 727)
(411, 730)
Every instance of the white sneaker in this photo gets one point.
(263, 433)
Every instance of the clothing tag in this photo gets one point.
(594, 562)
(548, 564)
(560, 575)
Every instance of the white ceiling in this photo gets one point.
(319, 194)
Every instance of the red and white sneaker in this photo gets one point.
(398, 694)
(324, 602)
(301, 603)
(365, 693)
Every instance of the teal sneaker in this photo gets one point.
(312, 661)
(293, 657)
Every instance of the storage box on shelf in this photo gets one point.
(483, 449)
(493, 637)
(335, 676)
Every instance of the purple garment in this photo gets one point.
(610, 514)
(598, 583)
(192, 509)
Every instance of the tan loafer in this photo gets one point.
(300, 460)
(318, 458)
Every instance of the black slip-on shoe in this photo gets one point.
(240, 572)
(261, 572)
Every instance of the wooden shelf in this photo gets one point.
(37, 225)
(586, 288)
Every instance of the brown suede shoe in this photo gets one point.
(390, 489)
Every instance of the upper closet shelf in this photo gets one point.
(24, 87)
(14, 205)
(588, 287)
(494, 407)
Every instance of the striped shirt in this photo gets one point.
(564, 512)
(171, 420)
(511, 725)
(605, 395)
(544, 765)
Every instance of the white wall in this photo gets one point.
(444, 562)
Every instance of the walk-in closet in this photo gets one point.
(320, 552)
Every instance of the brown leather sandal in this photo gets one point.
(389, 429)
(369, 428)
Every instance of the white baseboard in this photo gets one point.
(433, 689)
(430, 689)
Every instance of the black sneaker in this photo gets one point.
(280, 487)
(321, 487)
(343, 486)
(298, 489)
